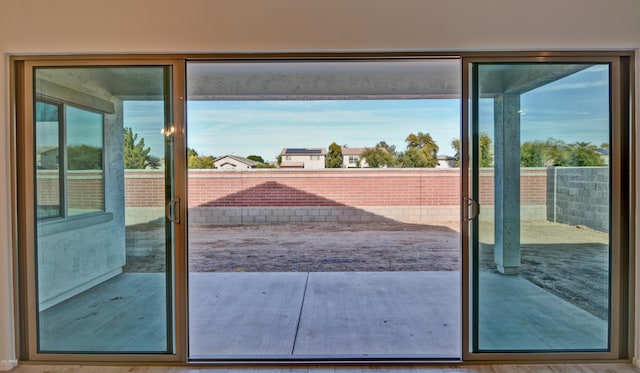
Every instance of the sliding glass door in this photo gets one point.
(325, 220)
(99, 182)
(545, 171)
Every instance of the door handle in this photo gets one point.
(170, 211)
(472, 204)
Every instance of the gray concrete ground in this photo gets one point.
(570, 262)
(319, 314)
(390, 289)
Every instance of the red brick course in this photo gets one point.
(259, 188)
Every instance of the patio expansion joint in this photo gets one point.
(304, 296)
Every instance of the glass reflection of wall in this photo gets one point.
(69, 160)
(48, 160)
(84, 161)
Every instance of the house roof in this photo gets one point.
(303, 151)
(353, 151)
(45, 149)
(244, 160)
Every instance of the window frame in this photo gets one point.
(63, 160)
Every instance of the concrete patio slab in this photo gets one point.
(244, 313)
(517, 315)
(124, 314)
(298, 314)
(381, 313)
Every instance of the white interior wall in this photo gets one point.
(147, 26)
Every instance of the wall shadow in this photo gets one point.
(273, 202)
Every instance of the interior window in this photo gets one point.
(70, 172)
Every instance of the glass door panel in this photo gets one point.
(541, 270)
(103, 176)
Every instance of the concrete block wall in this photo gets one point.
(338, 214)
(579, 196)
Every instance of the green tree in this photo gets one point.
(413, 158)
(153, 162)
(334, 156)
(583, 154)
(196, 161)
(537, 153)
(424, 143)
(256, 158)
(265, 165)
(391, 149)
(486, 155)
(378, 157)
(136, 154)
(84, 157)
(455, 145)
(533, 154)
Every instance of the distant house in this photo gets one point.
(604, 155)
(312, 158)
(446, 161)
(47, 158)
(234, 162)
(352, 158)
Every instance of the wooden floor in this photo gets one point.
(542, 368)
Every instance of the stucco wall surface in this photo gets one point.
(141, 26)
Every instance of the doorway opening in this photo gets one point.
(324, 209)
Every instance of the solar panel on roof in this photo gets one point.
(303, 151)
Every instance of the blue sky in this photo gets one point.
(265, 127)
(571, 109)
(83, 127)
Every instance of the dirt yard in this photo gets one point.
(571, 262)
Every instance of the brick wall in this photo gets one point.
(144, 188)
(382, 187)
(48, 187)
(85, 189)
(533, 187)
(410, 195)
(425, 196)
